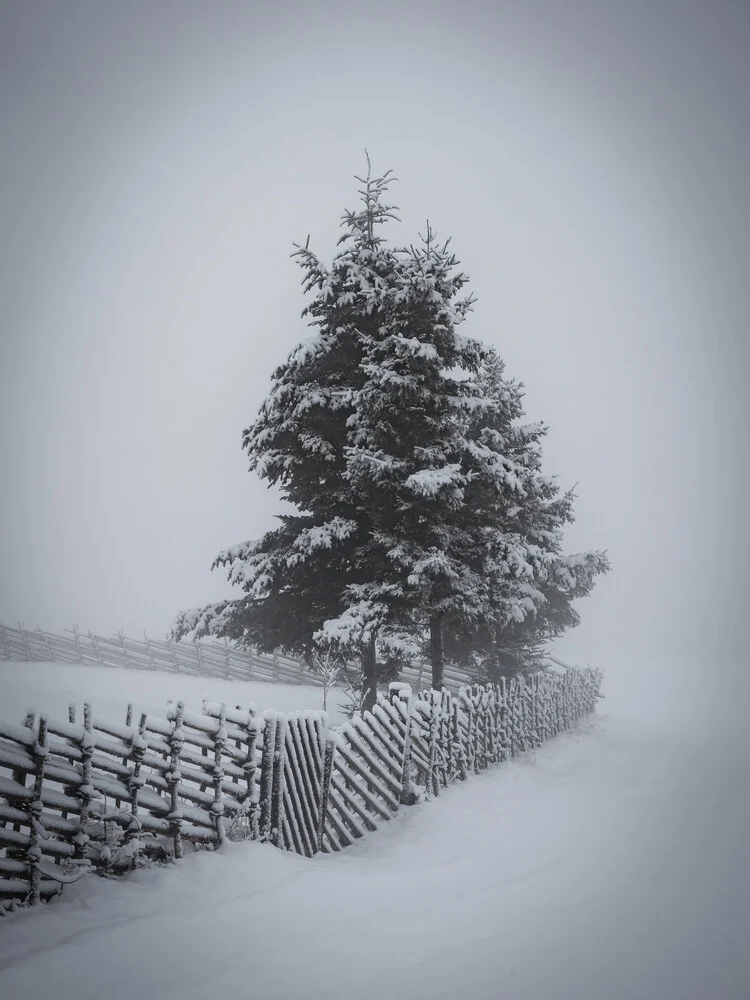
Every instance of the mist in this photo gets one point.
(159, 161)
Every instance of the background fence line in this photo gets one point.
(205, 658)
(90, 793)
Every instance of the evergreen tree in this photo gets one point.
(420, 503)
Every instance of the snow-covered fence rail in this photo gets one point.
(99, 794)
(204, 659)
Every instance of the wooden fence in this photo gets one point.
(204, 659)
(96, 794)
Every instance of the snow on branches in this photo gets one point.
(400, 442)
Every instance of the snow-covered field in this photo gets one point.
(50, 687)
(609, 865)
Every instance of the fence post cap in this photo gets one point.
(396, 689)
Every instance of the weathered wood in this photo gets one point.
(176, 741)
(344, 789)
(325, 786)
(376, 787)
(342, 773)
(277, 784)
(315, 789)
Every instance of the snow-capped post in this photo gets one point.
(530, 703)
(176, 741)
(249, 768)
(138, 747)
(542, 696)
(217, 806)
(277, 786)
(471, 725)
(484, 712)
(494, 724)
(511, 714)
(266, 774)
(523, 713)
(539, 708)
(503, 724)
(459, 750)
(369, 675)
(446, 735)
(400, 696)
(484, 707)
(432, 782)
(559, 707)
(85, 791)
(34, 851)
(325, 787)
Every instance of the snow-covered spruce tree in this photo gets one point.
(421, 504)
(410, 461)
(304, 573)
(532, 583)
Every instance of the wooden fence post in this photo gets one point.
(266, 775)
(432, 783)
(176, 741)
(217, 806)
(135, 782)
(249, 768)
(86, 788)
(277, 786)
(325, 787)
(446, 734)
(33, 851)
(402, 694)
(459, 753)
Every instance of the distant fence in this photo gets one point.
(204, 659)
(96, 794)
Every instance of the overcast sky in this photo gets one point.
(159, 159)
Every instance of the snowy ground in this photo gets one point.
(50, 687)
(607, 866)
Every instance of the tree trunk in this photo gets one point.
(369, 676)
(436, 652)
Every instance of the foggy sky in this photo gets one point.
(158, 161)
